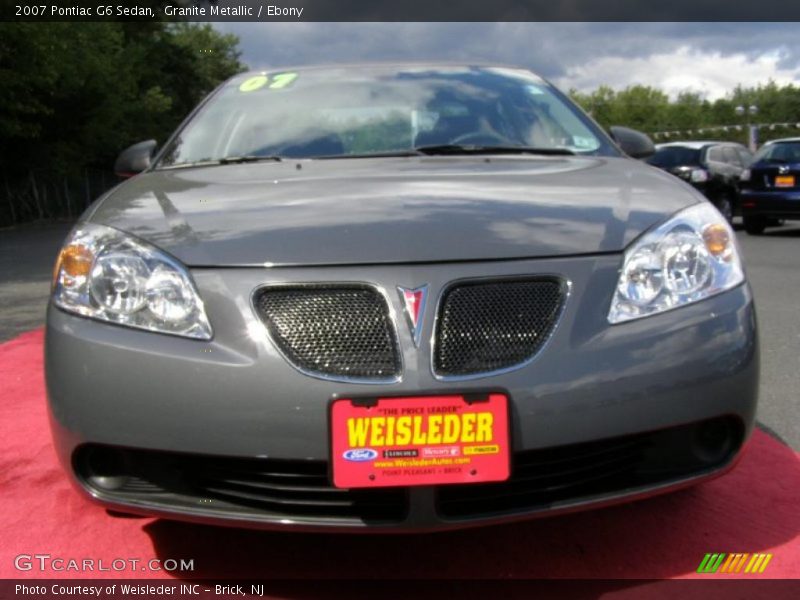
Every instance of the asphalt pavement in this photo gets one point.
(773, 268)
(27, 255)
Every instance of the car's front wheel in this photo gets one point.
(724, 204)
(755, 225)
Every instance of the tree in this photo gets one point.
(694, 117)
(72, 95)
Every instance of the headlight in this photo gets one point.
(690, 257)
(745, 176)
(104, 274)
(699, 176)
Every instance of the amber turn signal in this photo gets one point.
(74, 260)
(717, 240)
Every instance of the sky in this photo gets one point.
(709, 58)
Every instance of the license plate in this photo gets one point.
(784, 181)
(422, 440)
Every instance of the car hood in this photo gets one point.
(394, 210)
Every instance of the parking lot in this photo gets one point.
(772, 261)
(773, 266)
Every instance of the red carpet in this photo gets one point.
(752, 509)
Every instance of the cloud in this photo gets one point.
(707, 57)
(712, 74)
(284, 44)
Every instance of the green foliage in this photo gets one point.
(651, 111)
(72, 95)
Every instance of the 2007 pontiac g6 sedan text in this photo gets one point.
(394, 298)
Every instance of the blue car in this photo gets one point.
(770, 188)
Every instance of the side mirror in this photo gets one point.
(633, 143)
(135, 159)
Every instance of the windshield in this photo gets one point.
(674, 156)
(779, 152)
(341, 112)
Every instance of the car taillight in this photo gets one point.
(699, 176)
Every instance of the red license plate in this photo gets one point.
(423, 440)
(784, 181)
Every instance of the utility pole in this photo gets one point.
(752, 130)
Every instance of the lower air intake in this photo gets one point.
(250, 487)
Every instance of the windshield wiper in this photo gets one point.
(387, 154)
(228, 160)
(248, 158)
(474, 149)
(441, 149)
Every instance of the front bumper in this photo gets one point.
(236, 398)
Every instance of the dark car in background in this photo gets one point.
(714, 168)
(770, 188)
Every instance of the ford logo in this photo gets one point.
(360, 454)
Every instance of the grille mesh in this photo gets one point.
(332, 331)
(485, 327)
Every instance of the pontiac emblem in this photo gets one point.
(414, 308)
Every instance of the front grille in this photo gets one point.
(342, 331)
(489, 326)
(242, 486)
(541, 479)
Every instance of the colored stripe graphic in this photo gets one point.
(755, 562)
(741, 562)
(710, 563)
(764, 564)
(727, 564)
(736, 561)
